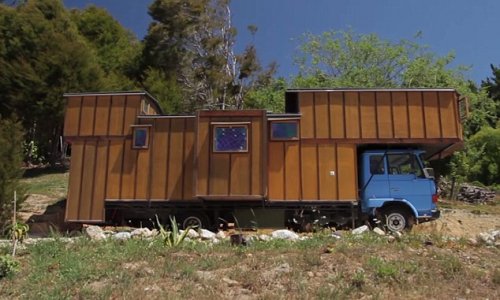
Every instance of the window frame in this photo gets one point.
(216, 125)
(148, 133)
(296, 138)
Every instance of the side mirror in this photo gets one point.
(429, 173)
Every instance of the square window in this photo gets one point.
(140, 137)
(230, 138)
(285, 130)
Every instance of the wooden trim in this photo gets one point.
(337, 171)
(80, 116)
(236, 123)
(284, 169)
(423, 113)
(318, 179)
(375, 99)
(439, 114)
(360, 123)
(151, 155)
(124, 114)
(94, 120)
(121, 168)
(329, 115)
(169, 147)
(92, 200)
(379, 141)
(84, 146)
(343, 116)
(106, 173)
(315, 134)
(231, 113)
(408, 115)
(230, 197)
(183, 170)
(392, 115)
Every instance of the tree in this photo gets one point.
(42, 56)
(348, 59)
(118, 50)
(492, 85)
(11, 158)
(191, 42)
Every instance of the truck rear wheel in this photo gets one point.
(397, 219)
(195, 221)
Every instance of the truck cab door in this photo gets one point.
(407, 181)
(374, 179)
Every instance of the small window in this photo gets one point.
(377, 164)
(230, 138)
(285, 130)
(140, 137)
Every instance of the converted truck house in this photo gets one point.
(335, 155)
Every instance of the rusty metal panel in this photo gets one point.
(309, 172)
(368, 115)
(72, 116)
(416, 115)
(292, 171)
(321, 115)
(337, 122)
(384, 115)
(160, 147)
(87, 116)
(306, 103)
(352, 120)
(75, 181)
(276, 175)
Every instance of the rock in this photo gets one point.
(192, 234)
(337, 234)
(205, 275)
(264, 237)
(397, 234)
(95, 233)
(310, 274)
(206, 234)
(486, 238)
(390, 238)
(360, 230)
(230, 282)
(122, 236)
(472, 241)
(285, 234)
(221, 235)
(495, 234)
(141, 233)
(378, 231)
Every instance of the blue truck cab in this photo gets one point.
(397, 188)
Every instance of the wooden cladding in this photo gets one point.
(312, 172)
(110, 169)
(379, 115)
(227, 175)
(104, 115)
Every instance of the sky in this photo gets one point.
(468, 28)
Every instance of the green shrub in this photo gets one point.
(8, 266)
(11, 158)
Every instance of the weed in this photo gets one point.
(383, 269)
(8, 266)
(450, 265)
(359, 279)
(172, 238)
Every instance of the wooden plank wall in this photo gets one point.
(103, 163)
(230, 174)
(371, 116)
(301, 171)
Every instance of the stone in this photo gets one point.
(192, 234)
(206, 234)
(230, 282)
(205, 275)
(391, 238)
(122, 236)
(95, 233)
(495, 234)
(264, 237)
(487, 238)
(360, 230)
(285, 234)
(378, 231)
(337, 235)
(221, 235)
(141, 233)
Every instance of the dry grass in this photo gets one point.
(321, 267)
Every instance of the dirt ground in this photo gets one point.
(461, 223)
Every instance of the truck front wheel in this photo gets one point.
(397, 219)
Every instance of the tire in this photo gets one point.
(195, 221)
(397, 219)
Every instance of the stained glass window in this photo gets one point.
(284, 130)
(140, 137)
(230, 139)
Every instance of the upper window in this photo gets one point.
(230, 138)
(404, 164)
(285, 130)
(140, 137)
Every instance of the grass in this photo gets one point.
(489, 208)
(51, 183)
(319, 267)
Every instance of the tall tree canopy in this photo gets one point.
(42, 56)
(191, 45)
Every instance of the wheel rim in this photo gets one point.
(193, 222)
(396, 222)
